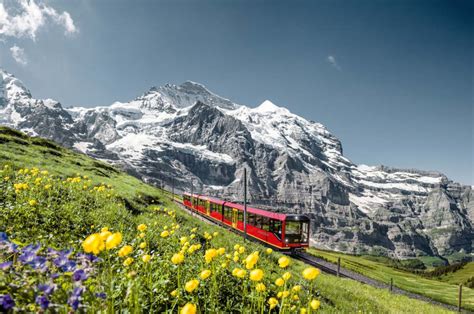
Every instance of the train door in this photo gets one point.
(208, 208)
(235, 214)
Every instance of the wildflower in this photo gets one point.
(177, 258)
(205, 274)
(283, 261)
(193, 230)
(256, 275)
(32, 202)
(286, 276)
(93, 244)
(221, 251)
(189, 308)
(269, 251)
(296, 288)
(141, 227)
(128, 261)
(42, 301)
(125, 250)
(241, 250)
(273, 303)
(174, 293)
(251, 260)
(260, 287)
(310, 273)
(79, 275)
(146, 258)
(47, 186)
(165, 234)
(241, 273)
(142, 245)
(6, 302)
(5, 265)
(141, 235)
(183, 240)
(105, 234)
(315, 304)
(215, 234)
(236, 247)
(210, 254)
(303, 311)
(113, 240)
(101, 295)
(279, 282)
(191, 285)
(236, 258)
(104, 229)
(296, 297)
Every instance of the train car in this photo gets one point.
(282, 231)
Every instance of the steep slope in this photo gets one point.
(190, 138)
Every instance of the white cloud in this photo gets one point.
(19, 55)
(333, 62)
(29, 17)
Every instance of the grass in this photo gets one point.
(445, 291)
(86, 195)
(460, 276)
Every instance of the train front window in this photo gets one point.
(296, 231)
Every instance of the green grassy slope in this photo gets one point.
(460, 276)
(446, 291)
(64, 214)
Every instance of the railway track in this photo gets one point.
(331, 269)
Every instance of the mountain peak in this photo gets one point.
(268, 106)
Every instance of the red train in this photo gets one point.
(282, 231)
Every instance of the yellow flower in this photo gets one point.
(251, 260)
(283, 261)
(236, 247)
(105, 234)
(104, 229)
(32, 202)
(241, 250)
(260, 287)
(174, 293)
(215, 234)
(191, 285)
(141, 227)
(164, 234)
(269, 251)
(284, 294)
(315, 304)
(310, 273)
(286, 276)
(189, 308)
(296, 288)
(47, 186)
(236, 258)
(241, 273)
(193, 230)
(93, 244)
(113, 240)
(183, 240)
(146, 258)
(256, 275)
(279, 282)
(125, 250)
(303, 311)
(296, 297)
(210, 254)
(273, 303)
(205, 274)
(177, 258)
(142, 235)
(221, 251)
(142, 245)
(128, 261)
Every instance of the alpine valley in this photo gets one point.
(190, 138)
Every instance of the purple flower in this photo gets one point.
(88, 258)
(75, 298)
(101, 295)
(8, 247)
(32, 248)
(5, 265)
(3, 237)
(42, 301)
(64, 262)
(6, 302)
(47, 289)
(79, 275)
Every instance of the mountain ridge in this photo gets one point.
(184, 134)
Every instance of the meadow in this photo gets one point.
(444, 289)
(80, 235)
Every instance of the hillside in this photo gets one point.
(57, 198)
(186, 136)
(443, 288)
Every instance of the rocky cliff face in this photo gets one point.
(188, 137)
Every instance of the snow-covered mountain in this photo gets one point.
(191, 138)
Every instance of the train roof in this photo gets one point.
(261, 212)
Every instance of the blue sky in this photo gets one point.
(392, 79)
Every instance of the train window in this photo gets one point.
(296, 231)
(227, 213)
(275, 227)
(258, 221)
(240, 216)
(251, 219)
(265, 223)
